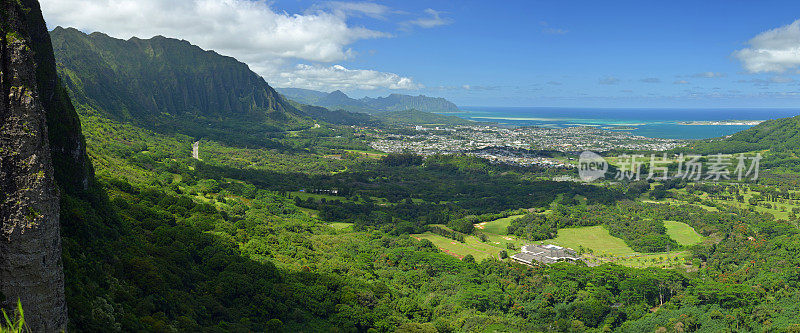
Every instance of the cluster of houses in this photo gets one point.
(545, 254)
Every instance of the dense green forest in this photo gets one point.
(777, 139)
(206, 245)
(244, 238)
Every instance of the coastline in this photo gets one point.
(653, 123)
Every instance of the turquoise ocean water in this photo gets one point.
(656, 123)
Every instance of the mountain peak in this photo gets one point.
(338, 93)
(393, 102)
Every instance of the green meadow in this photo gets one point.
(498, 227)
(682, 233)
(598, 244)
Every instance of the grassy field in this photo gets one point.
(328, 197)
(317, 197)
(596, 238)
(671, 201)
(607, 248)
(498, 227)
(471, 246)
(604, 247)
(309, 211)
(682, 233)
(502, 241)
(782, 211)
(372, 154)
(341, 225)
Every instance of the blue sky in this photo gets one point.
(506, 53)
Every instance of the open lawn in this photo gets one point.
(318, 197)
(328, 197)
(499, 226)
(340, 225)
(309, 211)
(780, 210)
(502, 241)
(472, 245)
(595, 238)
(607, 248)
(453, 247)
(372, 154)
(604, 247)
(682, 233)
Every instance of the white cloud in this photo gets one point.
(369, 9)
(248, 30)
(434, 19)
(681, 82)
(268, 40)
(339, 77)
(775, 50)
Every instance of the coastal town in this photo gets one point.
(514, 145)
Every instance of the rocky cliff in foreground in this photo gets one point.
(39, 130)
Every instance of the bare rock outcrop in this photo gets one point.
(30, 243)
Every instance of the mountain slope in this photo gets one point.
(337, 100)
(397, 102)
(778, 135)
(394, 102)
(338, 117)
(171, 86)
(304, 96)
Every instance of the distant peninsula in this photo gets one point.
(721, 122)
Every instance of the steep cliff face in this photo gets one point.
(170, 85)
(30, 242)
(73, 170)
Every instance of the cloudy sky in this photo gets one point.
(488, 53)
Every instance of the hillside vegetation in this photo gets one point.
(172, 86)
(777, 139)
(293, 229)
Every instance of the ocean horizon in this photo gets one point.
(669, 123)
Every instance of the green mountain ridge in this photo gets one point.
(777, 139)
(775, 134)
(398, 102)
(171, 85)
(394, 102)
